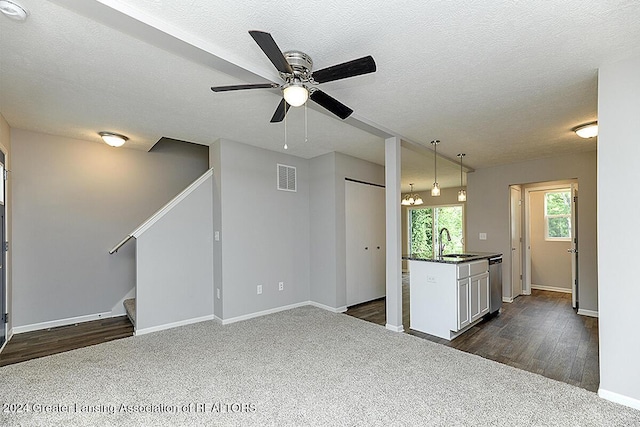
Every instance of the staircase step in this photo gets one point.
(130, 308)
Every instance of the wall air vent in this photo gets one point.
(287, 178)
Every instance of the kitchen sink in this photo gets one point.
(459, 255)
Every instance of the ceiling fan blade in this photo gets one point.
(353, 68)
(331, 104)
(271, 49)
(242, 87)
(281, 111)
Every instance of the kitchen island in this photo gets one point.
(448, 294)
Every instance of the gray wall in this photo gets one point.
(5, 140)
(74, 201)
(328, 251)
(550, 261)
(264, 231)
(618, 111)
(175, 264)
(488, 212)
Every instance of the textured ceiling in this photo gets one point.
(503, 81)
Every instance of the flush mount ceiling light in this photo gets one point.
(295, 94)
(587, 130)
(113, 139)
(435, 191)
(462, 194)
(411, 199)
(13, 10)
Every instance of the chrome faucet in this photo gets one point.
(441, 242)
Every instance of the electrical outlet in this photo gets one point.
(217, 236)
(483, 236)
(431, 279)
(280, 286)
(259, 289)
(218, 292)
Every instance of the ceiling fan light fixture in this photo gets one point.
(587, 130)
(113, 139)
(13, 10)
(295, 94)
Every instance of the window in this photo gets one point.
(426, 222)
(557, 215)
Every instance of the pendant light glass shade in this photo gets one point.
(435, 191)
(462, 194)
(411, 199)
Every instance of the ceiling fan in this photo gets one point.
(295, 69)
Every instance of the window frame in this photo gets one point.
(547, 217)
(434, 231)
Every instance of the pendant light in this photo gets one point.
(411, 199)
(462, 194)
(435, 191)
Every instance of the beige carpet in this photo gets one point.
(302, 367)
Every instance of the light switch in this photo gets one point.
(483, 236)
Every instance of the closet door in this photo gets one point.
(365, 238)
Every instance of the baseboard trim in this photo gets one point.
(263, 313)
(394, 328)
(328, 308)
(619, 398)
(590, 313)
(506, 299)
(61, 322)
(173, 325)
(551, 288)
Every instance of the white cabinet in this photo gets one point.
(476, 299)
(463, 303)
(446, 298)
(479, 296)
(365, 242)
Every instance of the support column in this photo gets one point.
(394, 233)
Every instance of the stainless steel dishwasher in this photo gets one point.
(495, 282)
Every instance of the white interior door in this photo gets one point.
(574, 245)
(516, 241)
(365, 242)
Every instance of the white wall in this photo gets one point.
(264, 231)
(550, 261)
(618, 233)
(327, 201)
(174, 264)
(488, 212)
(74, 200)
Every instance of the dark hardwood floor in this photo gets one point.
(31, 345)
(539, 333)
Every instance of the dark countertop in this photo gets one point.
(448, 259)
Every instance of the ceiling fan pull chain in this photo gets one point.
(286, 147)
(306, 135)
